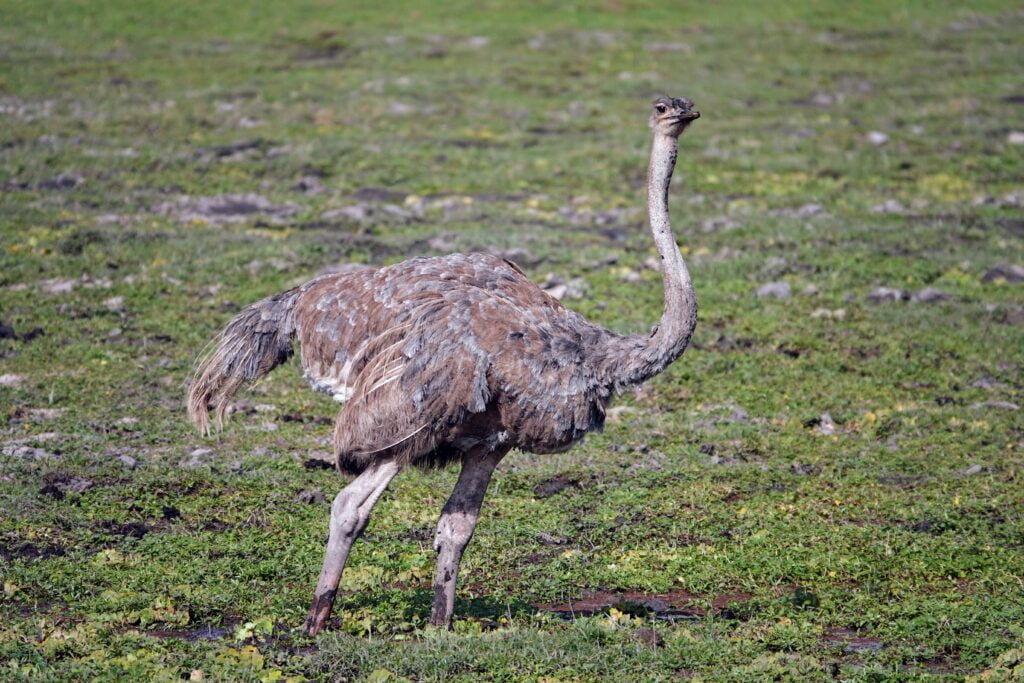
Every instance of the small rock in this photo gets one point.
(971, 471)
(615, 414)
(998, 405)
(310, 497)
(1015, 137)
(115, 332)
(1009, 272)
(115, 304)
(197, 457)
(889, 206)
(309, 184)
(57, 286)
(42, 414)
(738, 416)
(669, 47)
(882, 294)
(77, 484)
(476, 42)
(630, 275)
(229, 208)
(809, 210)
(877, 138)
(27, 453)
(562, 289)
(258, 265)
(402, 108)
(986, 382)
(356, 212)
(716, 224)
(548, 539)
(364, 212)
(128, 461)
(928, 295)
(776, 290)
(826, 425)
(64, 181)
(803, 468)
(809, 290)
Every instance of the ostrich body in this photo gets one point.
(458, 357)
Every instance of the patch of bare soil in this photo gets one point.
(852, 642)
(228, 208)
(671, 606)
(191, 634)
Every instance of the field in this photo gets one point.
(829, 484)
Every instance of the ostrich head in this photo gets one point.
(671, 115)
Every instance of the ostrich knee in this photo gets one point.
(345, 517)
(454, 532)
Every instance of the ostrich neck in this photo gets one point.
(636, 359)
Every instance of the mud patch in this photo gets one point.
(28, 551)
(228, 208)
(853, 643)
(672, 606)
(127, 529)
(191, 635)
(550, 487)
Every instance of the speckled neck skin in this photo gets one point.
(646, 357)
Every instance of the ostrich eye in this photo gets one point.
(660, 108)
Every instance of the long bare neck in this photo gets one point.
(644, 358)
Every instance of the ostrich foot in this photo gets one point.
(319, 612)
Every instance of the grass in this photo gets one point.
(887, 547)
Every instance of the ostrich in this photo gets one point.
(458, 357)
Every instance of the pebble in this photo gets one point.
(877, 138)
(128, 461)
(28, 453)
(999, 405)
(1010, 272)
(881, 294)
(309, 184)
(889, 206)
(310, 496)
(826, 425)
(777, 290)
(928, 295)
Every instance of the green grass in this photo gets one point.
(889, 549)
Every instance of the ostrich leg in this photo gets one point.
(455, 528)
(350, 513)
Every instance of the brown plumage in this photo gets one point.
(456, 357)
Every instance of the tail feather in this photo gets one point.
(255, 342)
